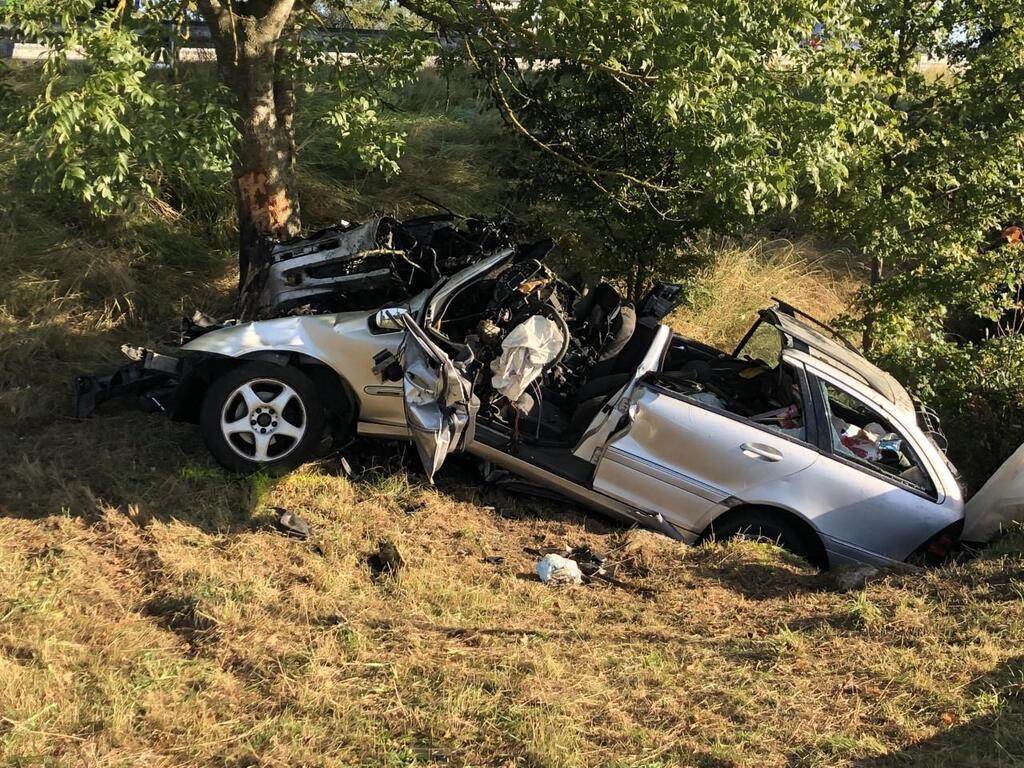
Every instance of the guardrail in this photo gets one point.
(195, 35)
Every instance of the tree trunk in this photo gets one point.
(251, 58)
(868, 339)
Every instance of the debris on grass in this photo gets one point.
(590, 563)
(386, 561)
(557, 570)
(852, 577)
(291, 524)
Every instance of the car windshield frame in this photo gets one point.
(455, 283)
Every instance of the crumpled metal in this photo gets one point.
(439, 400)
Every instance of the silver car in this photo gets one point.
(794, 436)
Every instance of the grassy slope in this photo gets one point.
(149, 615)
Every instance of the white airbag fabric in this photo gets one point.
(529, 347)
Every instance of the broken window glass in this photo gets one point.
(861, 434)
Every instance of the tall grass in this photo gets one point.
(741, 279)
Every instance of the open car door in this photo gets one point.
(618, 408)
(440, 406)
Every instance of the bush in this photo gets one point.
(978, 392)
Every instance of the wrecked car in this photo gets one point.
(480, 347)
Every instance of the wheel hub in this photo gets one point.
(263, 419)
(254, 424)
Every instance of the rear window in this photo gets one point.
(861, 434)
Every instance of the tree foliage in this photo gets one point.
(655, 120)
(108, 134)
(120, 119)
(942, 175)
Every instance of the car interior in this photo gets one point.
(743, 384)
(606, 338)
(862, 435)
(603, 340)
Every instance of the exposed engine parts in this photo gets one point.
(361, 266)
(534, 341)
(521, 331)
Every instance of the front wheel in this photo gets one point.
(261, 416)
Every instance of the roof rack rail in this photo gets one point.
(793, 312)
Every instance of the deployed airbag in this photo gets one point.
(528, 348)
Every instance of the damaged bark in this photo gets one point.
(252, 42)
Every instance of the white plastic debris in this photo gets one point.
(555, 569)
(999, 502)
(529, 347)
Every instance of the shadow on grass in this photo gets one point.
(992, 741)
(142, 464)
(783, 576)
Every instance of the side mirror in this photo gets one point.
(387, 320)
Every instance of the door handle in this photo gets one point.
(761, 451)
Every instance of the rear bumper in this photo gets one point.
(151, 378)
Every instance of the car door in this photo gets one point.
(440, 406)
(595, 437)
(858, 504)
(686, 459)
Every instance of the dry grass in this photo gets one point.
(150, 615)
(142, 633)
(742, 279)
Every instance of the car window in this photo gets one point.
(764, 344)
(784, 398)
(771, 398)
(860, 433)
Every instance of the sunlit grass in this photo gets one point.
(150, 614)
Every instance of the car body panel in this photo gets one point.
(689, 461)
(440, 407)
(871, 512)
(436, 301)
(686, 461)
(998, 503)
(596, 436)
(935, 461)
(344, 342)
(578, 492)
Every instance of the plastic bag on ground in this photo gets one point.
(555, 569)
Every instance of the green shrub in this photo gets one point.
(978, 392)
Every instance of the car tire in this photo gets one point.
(772, 526)
(262, 417)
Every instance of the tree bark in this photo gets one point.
(868, 339)
(251, 59)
